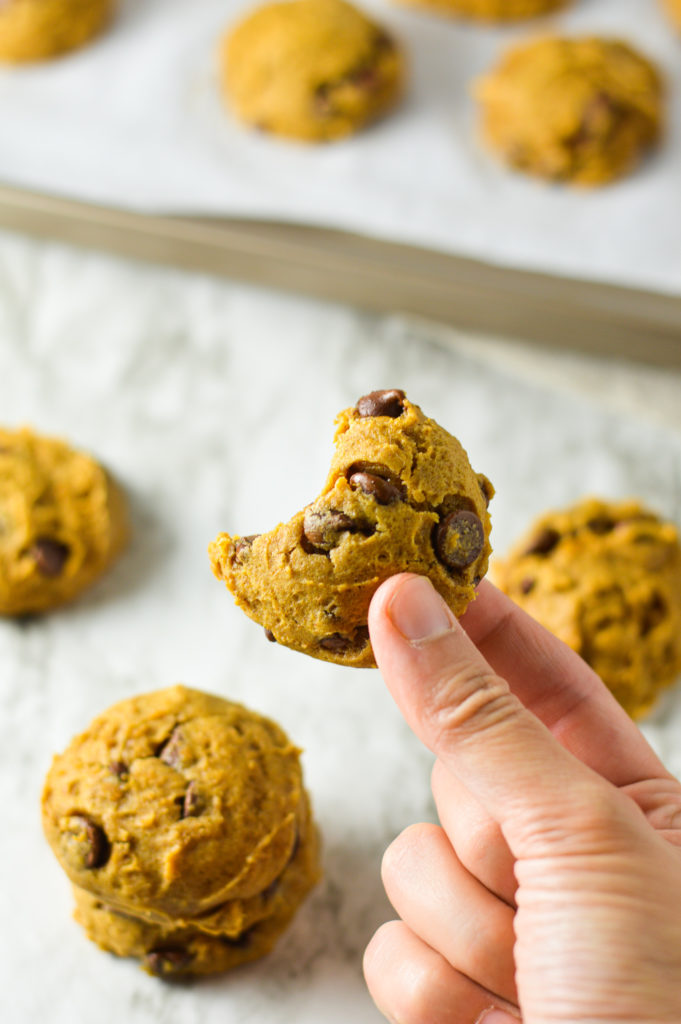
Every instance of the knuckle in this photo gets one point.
(469, 701)
(406, 852)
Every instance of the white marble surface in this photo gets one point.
(214, 403)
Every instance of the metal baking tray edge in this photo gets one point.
(381, 276)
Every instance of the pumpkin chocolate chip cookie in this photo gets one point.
(182, 821)
(605, 577)
(314, 70)
(63, 521)
(39, 29)
(490, 10)
(579, 110)
(400, 496)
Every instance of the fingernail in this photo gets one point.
(418, 611)
(494, 1016)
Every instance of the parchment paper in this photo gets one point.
(213, 404)
(135, 121)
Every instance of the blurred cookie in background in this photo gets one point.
(314, 70)
(63, 521)
(578, 110)
(605, 577)
(490, 10)
(32, 30)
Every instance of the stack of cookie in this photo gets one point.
(182, 822)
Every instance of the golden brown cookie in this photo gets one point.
(580, 110)
(179, 949)
(40, 29)
(400, 496)
(63, 521)
(490, 10)
(605, 577)
(173, 804)
(310, 69)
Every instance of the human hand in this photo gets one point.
(552, 889)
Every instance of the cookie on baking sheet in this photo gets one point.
(174, 803)
(39, 29)
(63, 521)
(400, 496)
(175, 949)
(314, 70)
(579, 110)
(489, 10)
(605, 577)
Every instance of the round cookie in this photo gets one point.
(313, 70)
(63, 521)
(580, 110)
(179, 949)
(400, 496)
(490, 10)
(39, 29)
(174, 803)
(605, 577)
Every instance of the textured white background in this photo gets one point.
(213, 403)
(135, 121)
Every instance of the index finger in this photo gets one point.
(576, 706)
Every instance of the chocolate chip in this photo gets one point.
(336, 643)
(459, 539)
(85, 844)
(242, 546)
(526, 585)
(192, 803)
(322, 529)
(119, 769)
(653, 613)
(543, 542)
(486, 488)
(270, 636)
(167, 962)
(170, 751)
(322, 101)
(382, 403)
(49, 555)
(384, 491)
(601, 524)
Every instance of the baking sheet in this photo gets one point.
(135, 122)
(213, 404)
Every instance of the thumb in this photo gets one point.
(467, 715)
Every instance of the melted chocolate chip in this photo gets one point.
(336, 643)
(119, 769)
(242, 546)
(170, 751)
(167, 962)
(85, 844)
(49, 555)
(270, 636)
(192, 803)
(385, 491)
(601, 524)
(544, 542)
(459, 539)
(322, 529)
(382, 403)
(653, 613)
(526, 585)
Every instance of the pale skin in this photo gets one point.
(551, 890)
